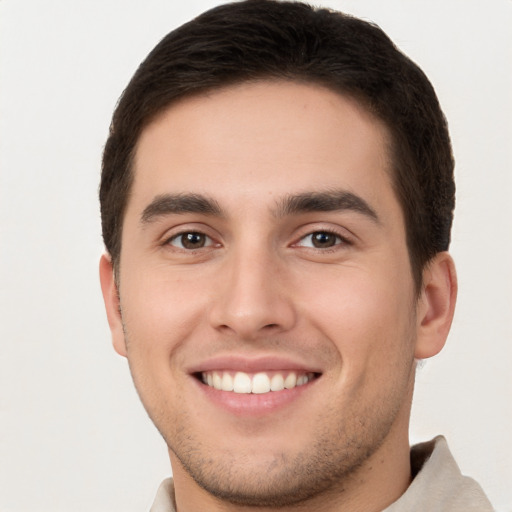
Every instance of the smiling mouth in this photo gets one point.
(255, 383)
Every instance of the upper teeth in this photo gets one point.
(258, 383)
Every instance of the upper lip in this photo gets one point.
(252, 364)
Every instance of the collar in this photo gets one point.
(437, 485)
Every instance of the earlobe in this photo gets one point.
(111, 299)
(436, 305)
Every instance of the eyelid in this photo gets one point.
(346, 236)
(341, 241)
(177, 231)
(178, 236)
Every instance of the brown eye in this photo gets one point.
(191, 240)
(321, 240)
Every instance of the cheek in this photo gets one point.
(366, 315)
(160, 312)
(162, 302)
(157, 316)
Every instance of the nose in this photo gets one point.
(252, 298)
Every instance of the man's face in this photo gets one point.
(263, 246)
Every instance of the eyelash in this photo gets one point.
(209, 242)
(340, 240)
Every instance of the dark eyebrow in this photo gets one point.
(328, 201)
(167, 204)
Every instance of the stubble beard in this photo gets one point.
(325, 468)
(341, 447)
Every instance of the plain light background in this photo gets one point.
(73, 435)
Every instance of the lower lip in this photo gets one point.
(253, 404)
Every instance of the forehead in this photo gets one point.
(256, 141)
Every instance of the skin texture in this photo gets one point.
(259, 289)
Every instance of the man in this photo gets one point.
(277, 197)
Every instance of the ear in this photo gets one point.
(436, 305)
(112, 305)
